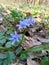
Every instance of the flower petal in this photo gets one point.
(11, 38)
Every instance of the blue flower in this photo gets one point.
(21, 25)
(25, 23)
(31, 21)
(15, 37)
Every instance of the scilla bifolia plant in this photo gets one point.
(10, 45)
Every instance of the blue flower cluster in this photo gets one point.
(15, 37)
(25, 23)
(22, 24)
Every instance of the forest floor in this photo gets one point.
(36, 36)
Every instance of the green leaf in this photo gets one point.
(8, 44)
(11, 56)
(23, 56)
(3, 56)
(45, 58)
(1, 61)
(1, 37)
(9, 32)
(2, 41)
(5, 62)
(4, 48)
(2, 33)
(18, 50)
(45, 61)
(37, 49)
(7, 37)
(17, 15)
(16, 43)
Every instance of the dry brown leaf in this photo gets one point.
(36, 29)
(38, 19)
(30, 42)
(1, 29)
(17, 64)
(43, 40)
(32, 31)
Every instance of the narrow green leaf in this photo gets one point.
(18, 50)
(4, 48)
(23, 56)
(36, 49)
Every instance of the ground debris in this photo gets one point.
(30, 42)
(43, 40)
(31, 62)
